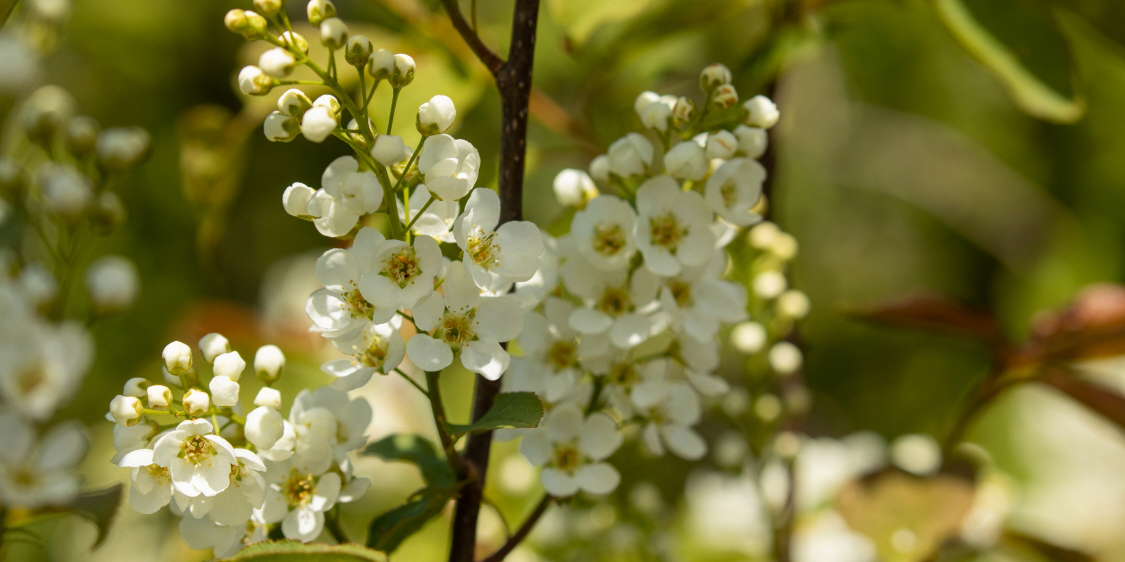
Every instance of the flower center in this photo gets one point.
(615, 301)
(483, 249)
(24, 478)
(730, 193)
(158, 473)
(356, 304)
(567, 457)
(197, 449)
(298, 488)
(666, 230)
(374, 355)
(563, 354)
(681, 292)
(457, 329)
(402, 267)
(623, 375)
(608, 239)
(32, 378)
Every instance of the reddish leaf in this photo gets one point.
(934, 313)
(1092, 326)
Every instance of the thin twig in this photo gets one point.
(486, 56)
(522, 532)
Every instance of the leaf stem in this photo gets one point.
(522, 532)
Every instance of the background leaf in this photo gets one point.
(417, 450)
(388, 530)
(295, 551)
(932, 312)
(512, 410)
(99, 506)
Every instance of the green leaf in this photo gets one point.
(99, 507)
(295, 551)
(1021, 43)
(388, 530)
(581, 18)
(511, 410)
(418, 450)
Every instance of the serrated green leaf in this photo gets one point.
(99, 507)
(417, 450)
(511, 410)
(1021, 44)
(388, 530)
(295, 551)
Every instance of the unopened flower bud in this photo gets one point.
(159, 397)
(264, 427)
(357, 51)
(684, 110)
(229, 365)
(713, 76)
(269, 361)
(686, 160)
(793, 304)
(177, 358)
(333, 33)
(277, 62)
(329, 102)
(279, 127)
(381, 64)
(81, 136)
(294, 40)
(725, 96)
(296, 199)
(599, 168)
(320, 10)
(13, 179)
(267, 8)
(253, 81)
(268, 397)
(294, 102)
(403, 72)
(112, 283)
(752, 141)
(785, 357)
(388, 150)
(655, 116)
(644, 99)
(250, 25)
(121, 149)
(135, 387)
(65, 192)
(224, 390)
(318, 123)
(45, 112)
(213, 345)
(196, 402)
(436, 115)
(126, 410)
(109, 213)
(760, 111)
(748, 337)
(721, 144)
(574, 188)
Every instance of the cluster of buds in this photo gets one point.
(233, 476)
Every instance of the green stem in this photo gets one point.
(412, 382)
(409, 163)
(420, 211)
(394, 103)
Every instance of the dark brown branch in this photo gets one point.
(486, 56)
(522, 532)
(513, 80)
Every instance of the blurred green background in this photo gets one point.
(903, 165)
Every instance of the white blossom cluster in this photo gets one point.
(624, 315)
(233, 476)
(57, 173)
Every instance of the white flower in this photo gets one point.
(268, 363)
(276, 62)
(224, 390)
(752, 141)
(599, 168)
(698, 301)
(436, 221)
(198, 461)
(643, 100)
(546, 279)
(655, 114)
(630, 155)
(687, 160)
(213, 345)
(617, 303)
(318, 123)
(509, 253)
(126, 410)
(205, 534)
(673, 226)
(230, 365)
(264, 427)
(196, 402)
(41, 365)
(574, 188)
(339, 310)
(388, 150)
(298, 499)
(377, 348)
(436, 115)
(721, 144)
(177, 357)
(401, 275)
(462, 320)
(159, 396)
(550, 347)
(734, 189)
(670, 424)
(572, 450)
(603, 232)
(760, 112)
(341, 431)
(329, 215)
(45, 475)
(112, 283)
(358, 191)
(253, 81)
(235, 505)
(152, 483)
(21, 64)
(449, 166)
(296, 199)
